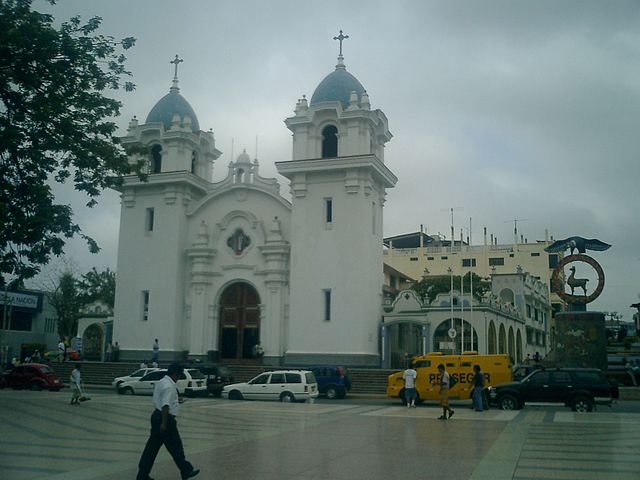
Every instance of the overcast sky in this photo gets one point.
(506, 109)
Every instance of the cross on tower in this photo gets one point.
(341, 37)
(175, 62)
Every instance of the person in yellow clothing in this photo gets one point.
(444, 393)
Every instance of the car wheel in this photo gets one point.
(332, 393)
(126, 391)
(287, 397)
(581, 404)
(509, 402)
(235, 395)
(35, 386)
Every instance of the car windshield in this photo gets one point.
(138, 373)
(224, 371)
(46, 369)
(197, 374)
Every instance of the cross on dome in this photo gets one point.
(340, 38)
(176, 61)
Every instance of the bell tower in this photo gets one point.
(338, 182)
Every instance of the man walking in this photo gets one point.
(76, 389)
(156, 352)
(409, 376)
(164, 428)
(478, 387)
(444, 393)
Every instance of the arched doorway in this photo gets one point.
(92, 342)
(239, 321)
(446, 345)
(405, 341)
(491, 348)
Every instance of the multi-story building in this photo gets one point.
(514, 318)
(418, 255)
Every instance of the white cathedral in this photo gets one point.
(213, 269)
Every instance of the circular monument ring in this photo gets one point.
(558, 283)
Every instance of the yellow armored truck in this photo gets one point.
(496, 369)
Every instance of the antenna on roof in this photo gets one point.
(232, 142)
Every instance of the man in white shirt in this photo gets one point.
(76, 389)
(164, 428)
(409, 376)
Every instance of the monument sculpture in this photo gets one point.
(580, 338)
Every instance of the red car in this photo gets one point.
(34, 376)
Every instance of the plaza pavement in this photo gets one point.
(43, 437)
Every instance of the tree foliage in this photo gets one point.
(55, 125)
(67, 301)
(98, 286)
(70, 295)
(429, 287)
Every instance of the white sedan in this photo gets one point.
(283, 385)
(138, 374)
(192, 383)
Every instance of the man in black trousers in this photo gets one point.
(164, 428)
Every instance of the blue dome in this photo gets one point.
(337, 86)
(170, 104)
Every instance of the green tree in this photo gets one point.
(55, 125)
(98, 286)
(429, 287)
(66, 299)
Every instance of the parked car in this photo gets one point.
(283, 385)
(217, 376)
(333, 381)
(71, 354)
(34, 376)
(578, 388)
(132, 376)
(191, 383)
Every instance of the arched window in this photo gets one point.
(491, 347)
(329, 142)
(511, 343)
(194, 163)
(502, 340)
(156, 159)
(518, 347)
(507, 296)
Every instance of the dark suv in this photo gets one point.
(578, 388)
(218, 376)
(333, 381)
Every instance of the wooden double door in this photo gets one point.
(239, 322)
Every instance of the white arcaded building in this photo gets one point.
(214, 268)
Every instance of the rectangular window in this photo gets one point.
(468, 262)
(535, 254)
(413, 259)
(553, 261)
(50, 325)
(496, 261)
(145, 305)
(328, 212)
(148, 222)
(429, 258)
(444, 258)
(327, 304)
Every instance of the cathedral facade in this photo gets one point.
(234, 271)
